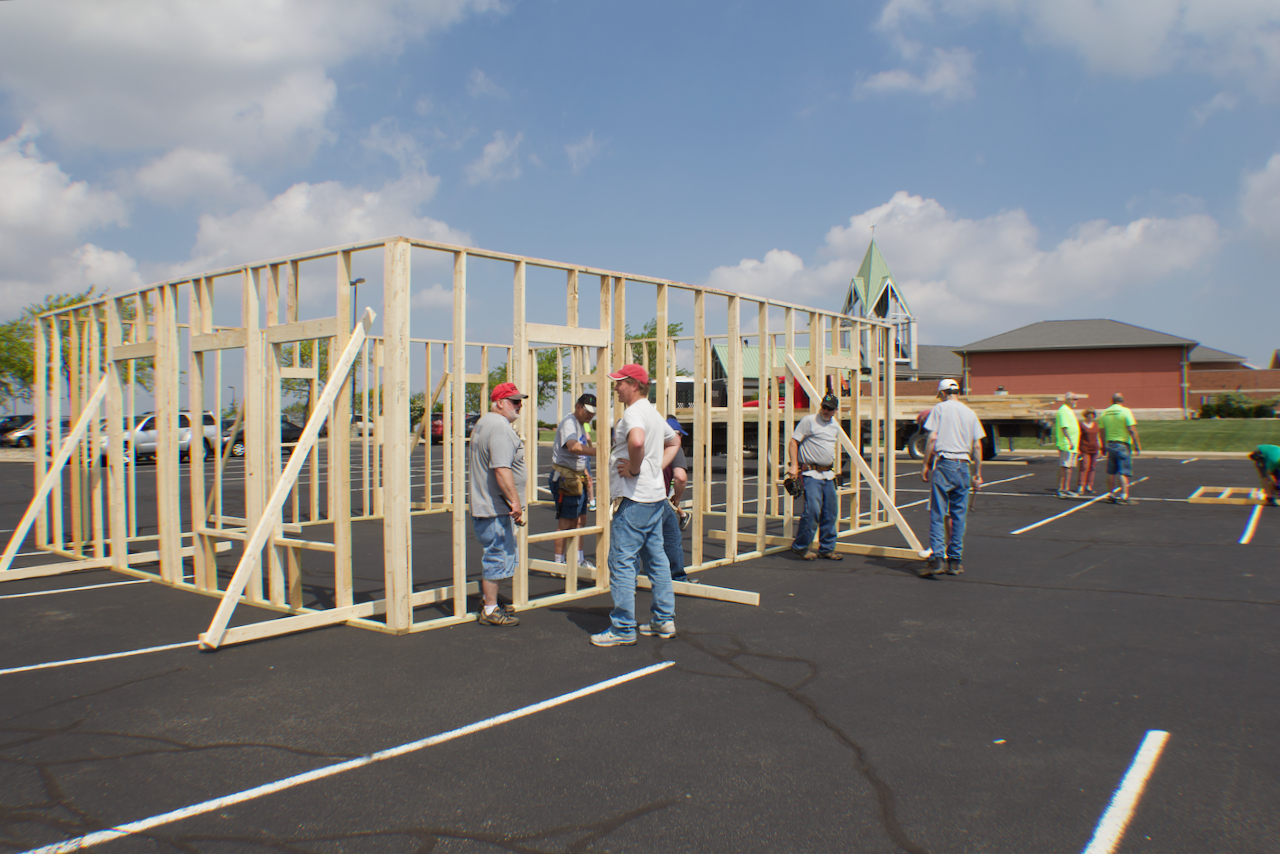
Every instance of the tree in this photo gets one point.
(636, 352)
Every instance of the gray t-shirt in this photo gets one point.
(494, 444)
(817, 440)
(569, 431)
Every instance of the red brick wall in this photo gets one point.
(1263, 385)
(1149, 377)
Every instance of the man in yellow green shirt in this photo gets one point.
(1066, 435)
(1120, 438)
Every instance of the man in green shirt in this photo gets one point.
(1267, 460)
(1066, 435)
(1120, 435)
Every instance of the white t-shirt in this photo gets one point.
(817, 442)
(956, 429)
(648, 487)
(570, 430)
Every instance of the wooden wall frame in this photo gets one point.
(86, 509)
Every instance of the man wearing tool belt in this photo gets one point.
(812, 451)
(955, 441)
(568, 479)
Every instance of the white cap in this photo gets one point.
(948, 385)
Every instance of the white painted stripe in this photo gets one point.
(1192, 460)
(330, 770)
(1006, 480)
(1252, 526)
(70, 589)
(1111, 827)
(1074, 509)
(50, 664)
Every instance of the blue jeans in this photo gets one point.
(636, 532)
(950, 496)
(673, 543)
(818, 512)
(497, 536)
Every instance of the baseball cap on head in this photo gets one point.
(505, 391)
(588, 402)
(631, 372)
(948, 385)
(675, 425)
(831, 402)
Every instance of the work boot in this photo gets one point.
(954, 567)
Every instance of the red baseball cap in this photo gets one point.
(505, 391)
(631, 372)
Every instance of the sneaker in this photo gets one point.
(686, 579)
(954, 567)
(660, 628)
(831, 555)
(802, 554)
(685, 519)
(932, 567)
(609, 638)
(591, 506)
(586, 564)
(506, 605)
(499, 617)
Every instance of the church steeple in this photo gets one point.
(873, 293)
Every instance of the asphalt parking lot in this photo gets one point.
(858, 708)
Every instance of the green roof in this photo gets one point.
(751, 358)
(873, 279)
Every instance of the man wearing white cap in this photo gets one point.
(643, 445)
(568, 482)
(955, 441)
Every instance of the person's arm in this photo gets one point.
(507, 483)
(976, 453)
(573, 446)
(630, 466)
(1133, 433)
(679, 479)
(793, 453)
(928, 457)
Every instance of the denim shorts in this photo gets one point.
(567, 506)
(1119, 459)
(497, 536)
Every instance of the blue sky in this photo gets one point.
(1022, 161)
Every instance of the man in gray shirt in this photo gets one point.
(812, 451)
(497, 496)
(568, 480)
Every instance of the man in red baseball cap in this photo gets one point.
(643, 444)
(497, 496)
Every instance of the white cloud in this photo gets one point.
(44, 217)
(1230, 39)
(310, 216)
(385, 137)
(967, 277)
(948, 74)
(436, 296)
(498, 161)
(1260, 201)
(1218, 103)
(582, 152)
(480, 85)
(187, 173)
(238, 76)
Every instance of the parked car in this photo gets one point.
(20, 435)
(142, 441)
(290, 433)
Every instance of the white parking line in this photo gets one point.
(51, 664)
(101, 836)
(1073, 509)
(1111, 827)
(70, 589)
(1252, 526)
(1192, 460)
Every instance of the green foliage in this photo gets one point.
(637, 351)
(417, 407)
(1236, 405)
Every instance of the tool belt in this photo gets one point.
(572, 481)
(813, 467)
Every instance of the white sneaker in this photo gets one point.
(586, 564)
(661, 628)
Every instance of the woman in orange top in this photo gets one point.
(1089, 448)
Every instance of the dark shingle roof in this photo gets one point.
(1075, 335)
(1201, 353)
(934, 361)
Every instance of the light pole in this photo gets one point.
(233, 399)
(355, 290)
